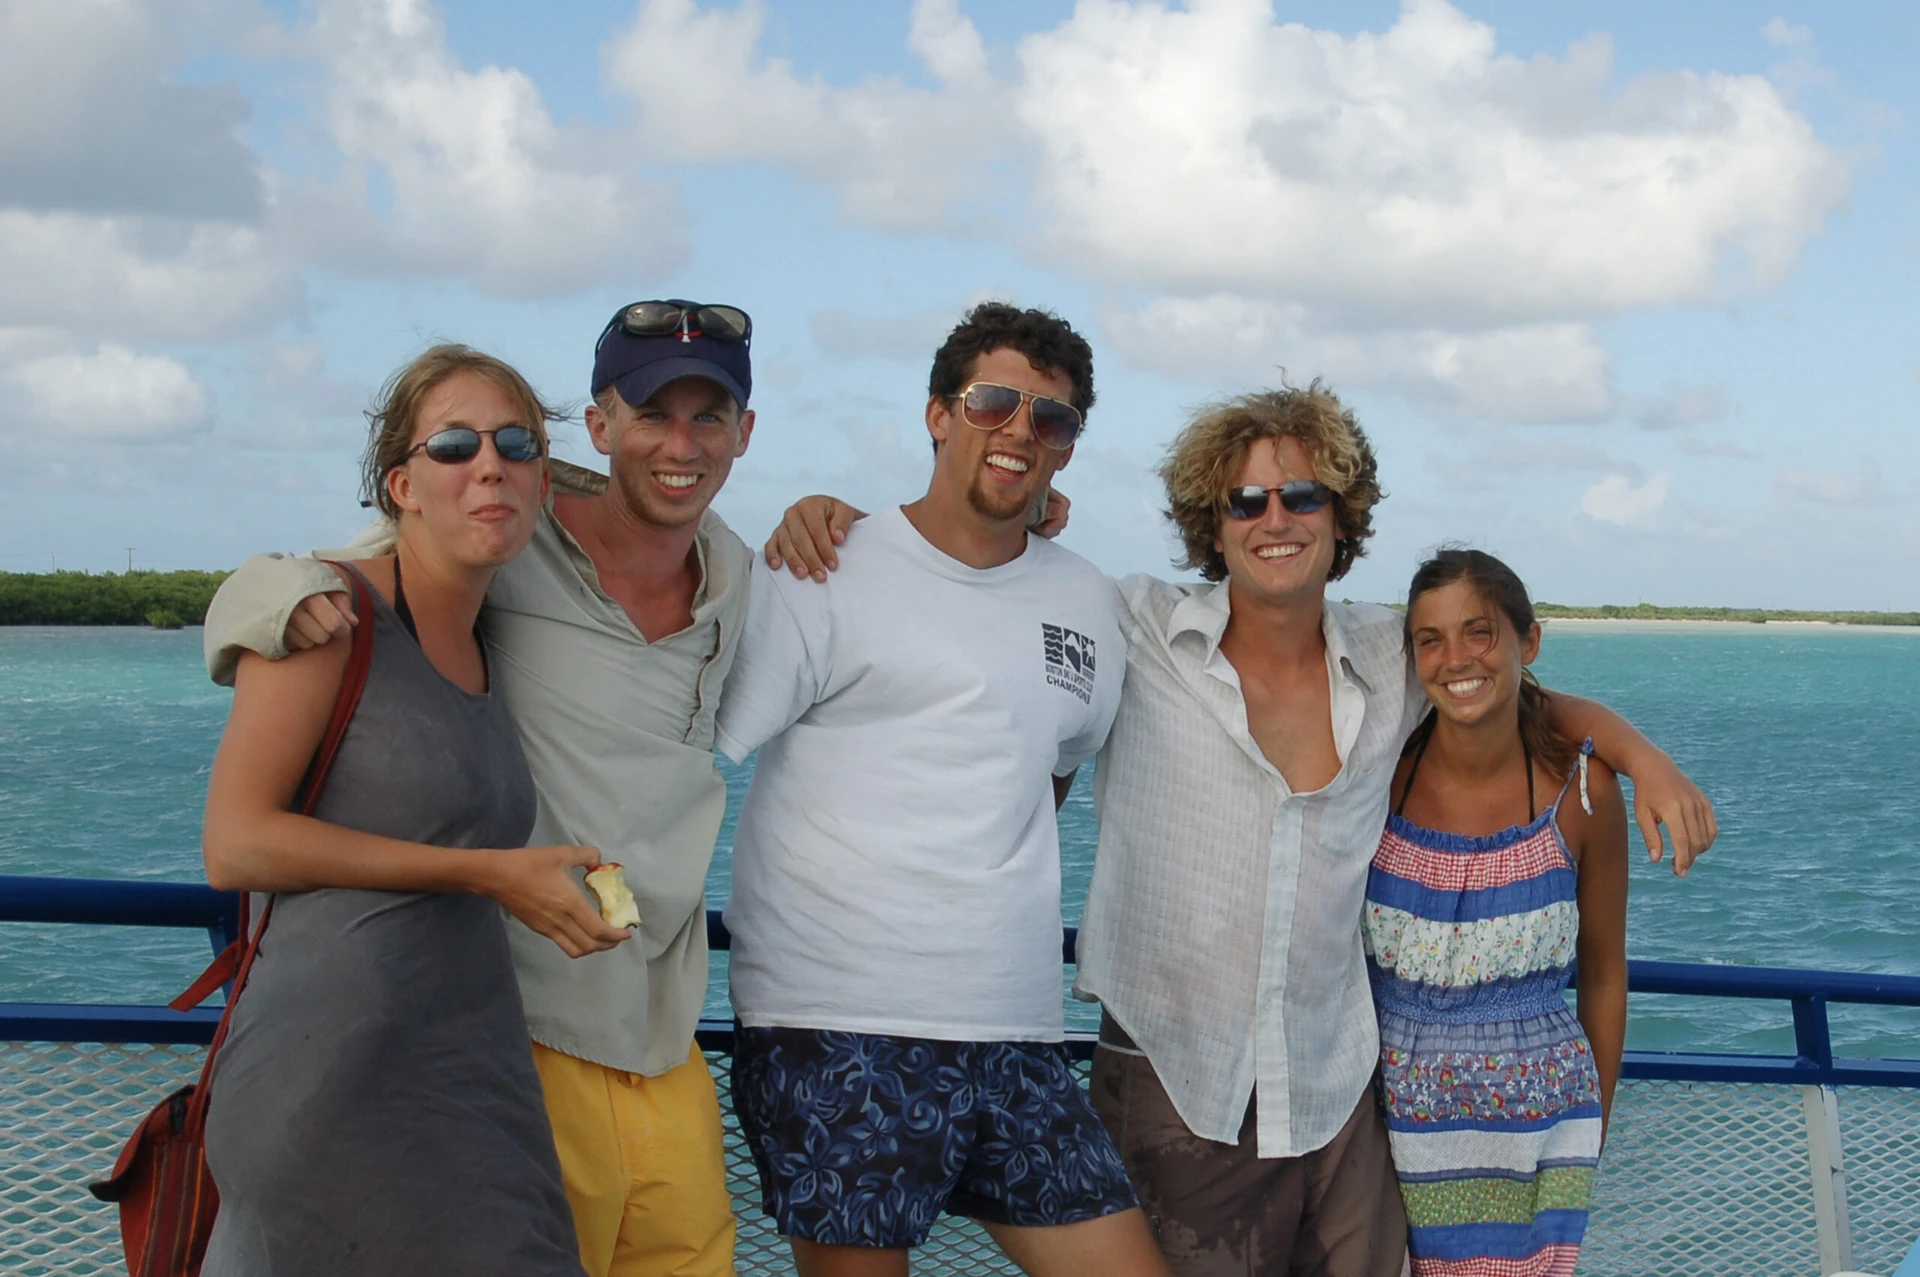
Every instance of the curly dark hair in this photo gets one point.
(1047, 341)
(1204, 457)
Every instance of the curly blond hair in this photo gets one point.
(1205, 458)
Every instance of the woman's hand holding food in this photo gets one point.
(537, 886)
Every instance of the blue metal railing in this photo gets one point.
(161, 904)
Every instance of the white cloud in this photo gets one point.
(946, 41)
(132, 276)
(1410, 208)
(898, 156)
(1215, 148)
(463, 172)
(1616, 500)
(1528, 373)
(112, 394)
(92, 119)
(129, 206)
(1782, 34)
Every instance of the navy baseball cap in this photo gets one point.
(648, 344)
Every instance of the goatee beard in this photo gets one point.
(983, 504)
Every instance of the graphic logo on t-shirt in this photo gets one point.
(1069, 660)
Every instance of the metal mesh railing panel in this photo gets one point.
(1698, 1178)
(1880, 1143)
(1706, 1178)
(65, 1110)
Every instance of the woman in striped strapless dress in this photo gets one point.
(1478, 903)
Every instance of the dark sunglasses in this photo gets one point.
(986, 405)
(1301, 496)
(462, 443)
(687, 319)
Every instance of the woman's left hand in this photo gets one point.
(1664, 796)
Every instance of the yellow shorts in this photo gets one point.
(644, 1166)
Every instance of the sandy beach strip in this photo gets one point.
(1596, 624)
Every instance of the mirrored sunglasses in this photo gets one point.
(685, 319)
(462, 443)
(1301, 496)
(986, 405)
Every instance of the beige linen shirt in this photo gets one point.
(1222, 928)
(619, 735)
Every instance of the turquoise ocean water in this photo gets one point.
(1808, 740)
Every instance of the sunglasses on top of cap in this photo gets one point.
(683, 319)
(987, 405)
(456, 444)
(1301, 496)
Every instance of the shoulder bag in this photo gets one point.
(160, 1182)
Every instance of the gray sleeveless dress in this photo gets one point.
(375, 1109)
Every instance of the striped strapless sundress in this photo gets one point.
(1492, 1097)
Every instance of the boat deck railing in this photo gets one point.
(1715, 1164)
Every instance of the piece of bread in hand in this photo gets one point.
(609, 887)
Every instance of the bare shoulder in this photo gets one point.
(378, 570)
(1603, 785)
(1605, 828)
(292, 679)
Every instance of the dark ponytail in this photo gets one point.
(1500, 586)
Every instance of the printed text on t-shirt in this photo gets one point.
(1069, 660)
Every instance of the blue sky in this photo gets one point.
(1625, 294)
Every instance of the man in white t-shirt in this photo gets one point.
(896, 870)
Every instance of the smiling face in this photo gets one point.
(1005, 472)
(1281, 556)
(669, 455)
(480, 512)
(1468, 654)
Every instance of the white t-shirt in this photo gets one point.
(896, 869)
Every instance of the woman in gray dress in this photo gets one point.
(375, 1109)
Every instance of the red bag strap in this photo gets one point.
(237, 959)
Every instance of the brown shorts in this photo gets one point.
(1220, 1211)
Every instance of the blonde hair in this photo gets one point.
(396, 412)
(1205, 458)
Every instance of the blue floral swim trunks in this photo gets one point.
(863, 1140)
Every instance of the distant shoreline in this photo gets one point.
(1713, 617)
(1725, 615)
(1678, 625)
(163, 600)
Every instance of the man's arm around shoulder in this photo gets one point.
(253, 607)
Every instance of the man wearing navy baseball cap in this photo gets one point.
(610, 639)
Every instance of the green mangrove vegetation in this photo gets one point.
(164, 600)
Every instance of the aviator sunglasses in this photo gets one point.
(685, 319)
(462, 443)
(1300, 496)
(986, 405)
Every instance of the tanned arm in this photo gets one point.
(253, 842)
(1662, 794)
(1601, 844)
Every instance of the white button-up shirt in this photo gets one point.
(1222, 928)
